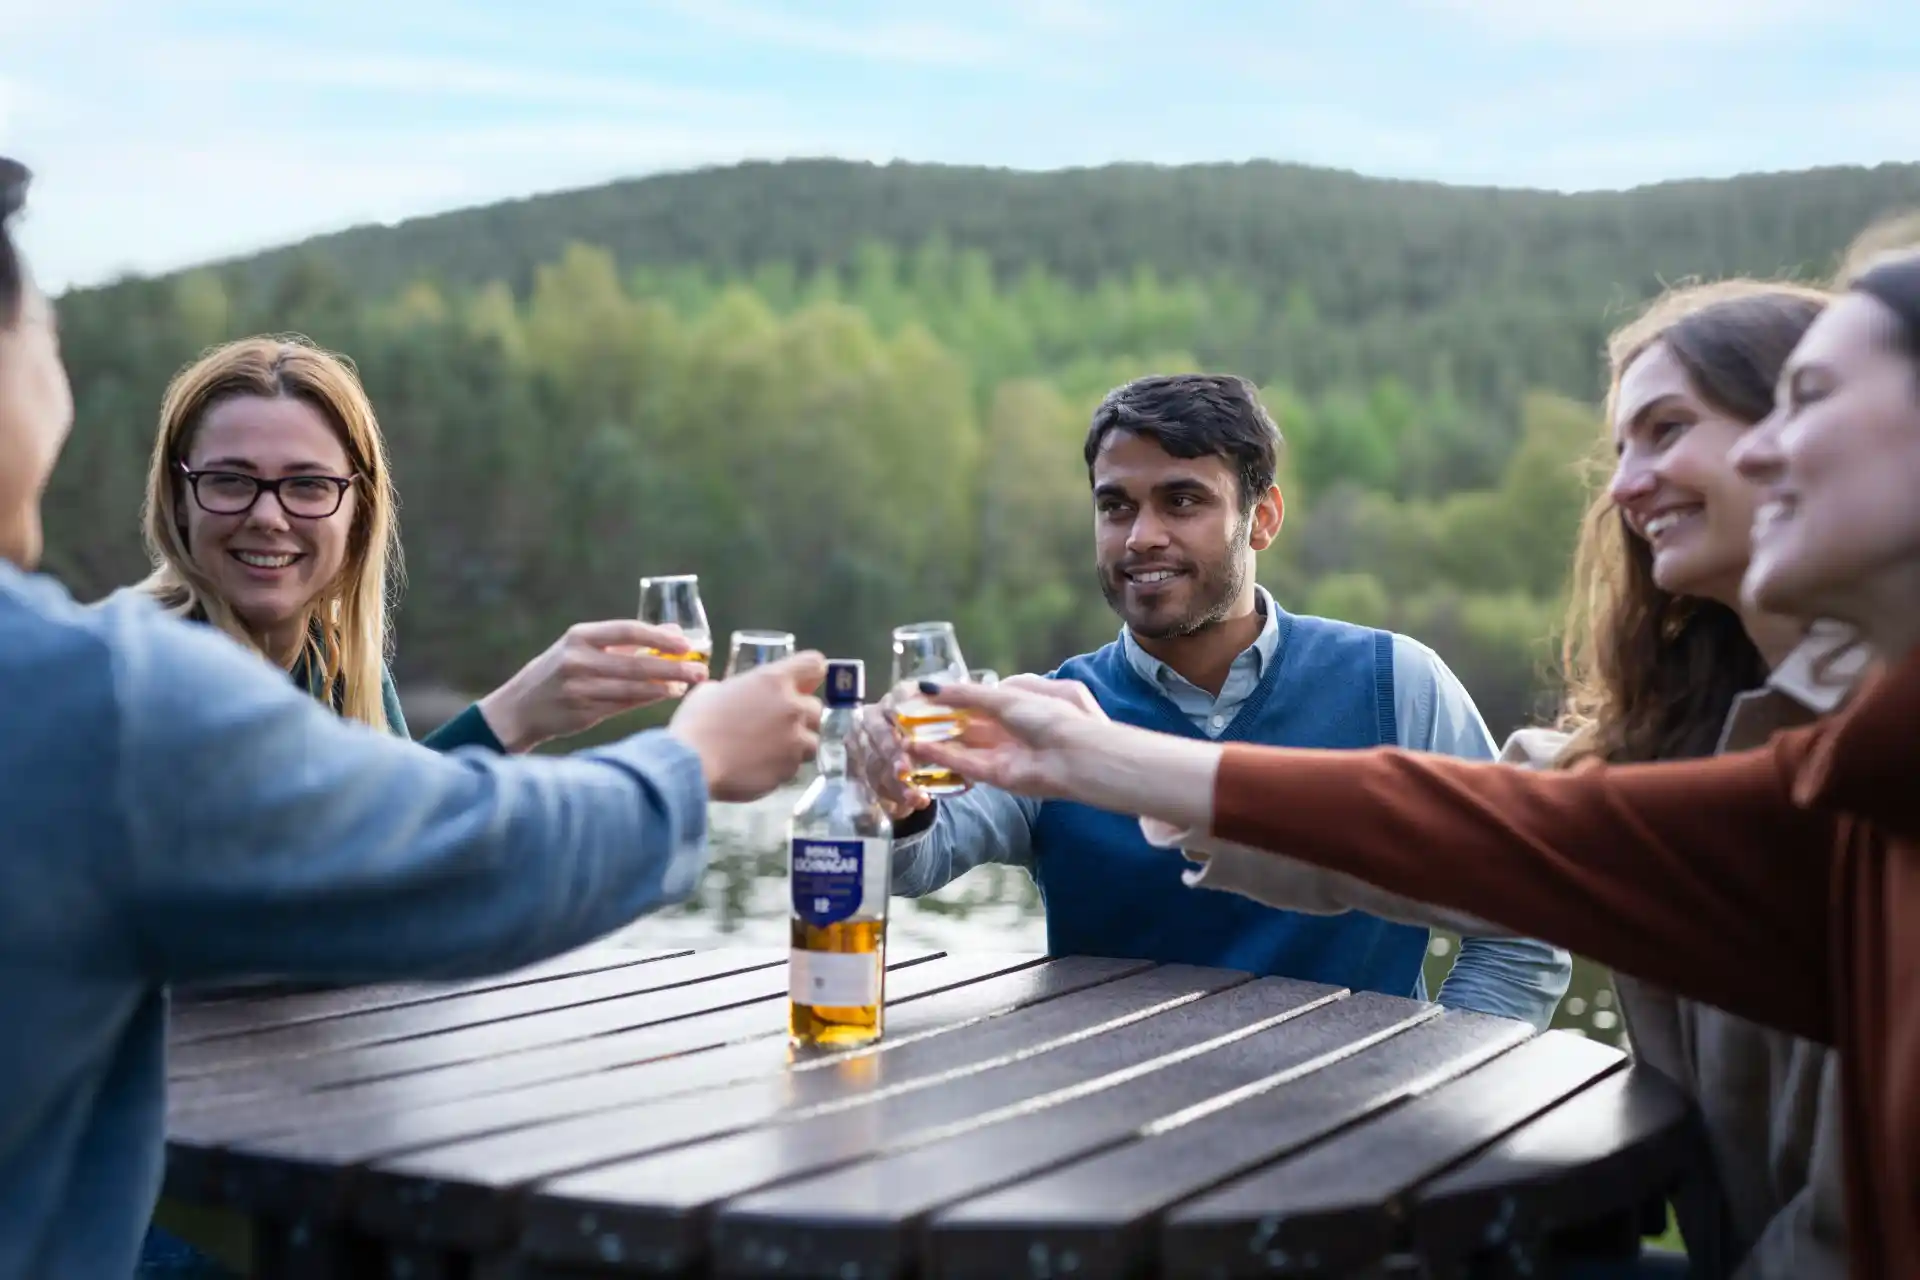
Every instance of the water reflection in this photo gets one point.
(742, 902)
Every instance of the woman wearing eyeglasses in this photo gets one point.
(270, 515)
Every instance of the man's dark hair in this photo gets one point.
(13, 274)
(1195, 415)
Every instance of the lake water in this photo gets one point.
(742, 902)
(743, 899)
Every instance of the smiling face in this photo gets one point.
(270, 565)
(1173, 548)
(1838, 467)
(1674, 481)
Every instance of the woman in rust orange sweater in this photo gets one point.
(1781, 883)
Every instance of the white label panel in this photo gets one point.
(839, 978)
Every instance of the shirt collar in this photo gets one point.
(1816, 678)
(1263, 649)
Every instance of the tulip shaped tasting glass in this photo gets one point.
(675, 601)
(928, 651)
(749, 649)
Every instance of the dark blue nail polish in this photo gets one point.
(929, 687)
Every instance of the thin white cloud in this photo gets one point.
(880, 39)
(235, 61)
(1617, 22)
(1067, 17)
(30, 19)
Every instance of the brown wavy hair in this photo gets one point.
(348, 637)
(1651, 675)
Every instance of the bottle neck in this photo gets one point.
(835, 727)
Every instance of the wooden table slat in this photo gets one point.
(1597, 1153)
(864, 1217)
(468, 1179)
(390, 1134)
(296, 1076)
(193, 1021)
(1097, 1214)
(201, 1166)
(1341, 1199)
(654, 1207)
(453, 1013)
(966, 984)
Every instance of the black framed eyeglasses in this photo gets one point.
(233, 493)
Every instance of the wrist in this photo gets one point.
(1087, 754)
(709, 762)
(915, 822)
(504, 714)
(1153, 775)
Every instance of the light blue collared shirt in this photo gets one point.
(1509, 977)
(172, 808)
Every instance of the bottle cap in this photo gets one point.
(846, 684)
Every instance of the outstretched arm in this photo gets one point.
(265, 836)
(1704, 876)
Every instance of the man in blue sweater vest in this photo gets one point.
(1182, 470)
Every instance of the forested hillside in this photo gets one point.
(850, 396)
(1332, 276)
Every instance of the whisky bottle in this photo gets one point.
(839, 869)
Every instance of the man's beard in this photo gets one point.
(1213, 588)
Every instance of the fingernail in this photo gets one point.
(928, 686)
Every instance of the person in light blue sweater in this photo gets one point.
(173, 809)
(1182, 470)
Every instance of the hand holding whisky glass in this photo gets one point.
(674, 601)
(928, 651)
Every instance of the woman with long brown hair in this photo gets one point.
(270, 514)
(1658, 646)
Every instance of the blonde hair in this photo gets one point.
(1889, 238)
(347, 641)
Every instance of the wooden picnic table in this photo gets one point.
(621, 1112)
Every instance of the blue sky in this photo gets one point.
(171, 131)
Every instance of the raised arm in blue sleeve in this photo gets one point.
(264, 835)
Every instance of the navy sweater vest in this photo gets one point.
(1110, 893)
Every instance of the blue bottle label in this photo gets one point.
(828, 878)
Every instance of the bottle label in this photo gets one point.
(829, 877)
(834, 979)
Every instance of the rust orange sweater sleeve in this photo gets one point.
(1870, 764)
(1704, 876)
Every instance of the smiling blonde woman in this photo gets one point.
(270, 514)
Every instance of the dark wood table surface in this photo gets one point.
(621, 1112)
